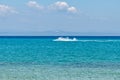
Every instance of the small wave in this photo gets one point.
(65, 39)
(99, 40)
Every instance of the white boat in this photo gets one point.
(65, 39)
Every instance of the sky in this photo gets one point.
(33, 17)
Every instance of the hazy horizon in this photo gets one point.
(57, 33)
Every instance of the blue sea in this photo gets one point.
(42, 58)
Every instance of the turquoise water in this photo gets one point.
(44, 59)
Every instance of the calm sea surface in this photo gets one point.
(41, 58)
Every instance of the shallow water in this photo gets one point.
(38, 72)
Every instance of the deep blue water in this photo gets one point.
(89, 50)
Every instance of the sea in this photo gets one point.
(42, 58)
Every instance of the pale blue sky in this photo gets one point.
(84, 16)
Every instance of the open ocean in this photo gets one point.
(41, 58)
